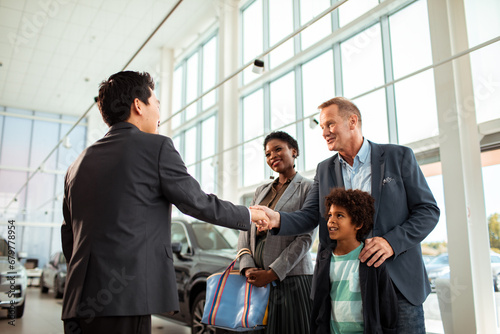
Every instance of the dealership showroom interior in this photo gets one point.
(423, 73)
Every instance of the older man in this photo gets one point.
(405, 209)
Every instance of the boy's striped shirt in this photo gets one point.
(345, 293)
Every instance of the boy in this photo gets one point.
(351, 297)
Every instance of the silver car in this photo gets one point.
(13, 281)
(439, 267)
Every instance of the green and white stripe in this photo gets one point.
(345, 293)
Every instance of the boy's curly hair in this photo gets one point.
(358, 204)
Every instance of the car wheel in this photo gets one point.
(57, 292)
(43, 288)
(197, 327)
(497, 283)
(20, 310)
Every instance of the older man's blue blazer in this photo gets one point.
(405, 213)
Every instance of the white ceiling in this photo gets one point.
(54, 53)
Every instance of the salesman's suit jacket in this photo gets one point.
(286, 255)
(116, 232)
(405, 213)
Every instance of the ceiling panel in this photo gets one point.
(94, 3)
(73, 32)
(13, 88)
(42, 57)
(18, 66)
(15, 77)
(11, 18)
(37, 8)
(117, 6)
(5, 36)
(59, 61)
(23, 53)
(104, 21)
(54, 28)
(36, 72)
(55, 53)
(12, 4)
(67, 48)
(47, 43)
(65, 10)
(83, 15)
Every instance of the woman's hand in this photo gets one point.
(260, 277)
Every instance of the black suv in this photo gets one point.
(200, 249)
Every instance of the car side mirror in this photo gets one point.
(176, 247)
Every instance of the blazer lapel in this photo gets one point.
(378, 167)
(253, 237)
(253, 230)
(289, 192)
(263, 193)
(336, 172)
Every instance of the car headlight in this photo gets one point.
(6, 277)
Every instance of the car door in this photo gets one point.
(51, 270)
(183, 264)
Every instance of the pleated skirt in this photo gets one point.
(289, 306)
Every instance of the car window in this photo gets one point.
(55, 258)
(179, 235)
(209, 237)
(441, 259)
(62, 259)
(230, 235)
(495, 258)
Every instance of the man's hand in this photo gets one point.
(259, 217)
(379, 248)
(273, 218)
(260, 277)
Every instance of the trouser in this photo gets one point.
(411, 317)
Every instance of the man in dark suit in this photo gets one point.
(117, 204)
(405, 209)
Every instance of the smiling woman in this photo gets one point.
(283, 261)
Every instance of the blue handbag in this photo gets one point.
(233, 303)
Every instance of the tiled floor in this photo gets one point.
(42, 315)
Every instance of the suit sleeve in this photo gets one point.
(182, 190)
(66, 228)
(423, 210)
(292, 255)
(304, 220)
(295, 251)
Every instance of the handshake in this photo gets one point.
(264, 217)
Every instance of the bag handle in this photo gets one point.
(242, 252)
(220, 288)
(238, 255)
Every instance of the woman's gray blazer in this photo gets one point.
(287, 256)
